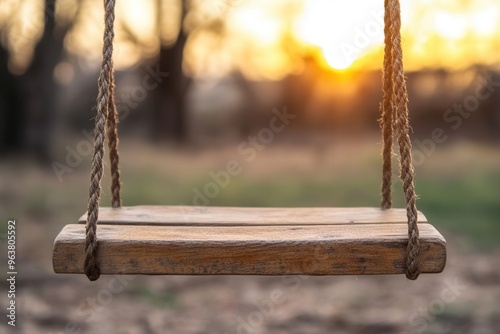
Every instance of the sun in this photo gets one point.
(337, 60)
(340, 29)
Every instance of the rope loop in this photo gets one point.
(395, 118)
(106, 120)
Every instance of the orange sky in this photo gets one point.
(340, 34)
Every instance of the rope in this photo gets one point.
(387, 110)
(114, 158)
(395, 116)
(106, 117)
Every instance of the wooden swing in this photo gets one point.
(166, 240)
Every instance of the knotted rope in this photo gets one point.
(395, 117)
(106, 119)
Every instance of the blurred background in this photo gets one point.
(291, 90)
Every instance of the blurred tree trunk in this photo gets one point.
(40, 86)
(11, 109)
(169, 115)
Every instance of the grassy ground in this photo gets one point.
(459, 187)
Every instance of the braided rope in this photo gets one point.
(114, 158)
(387, 110)
(106, 115)
(399, 104)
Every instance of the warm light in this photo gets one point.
(485, 21)
(336, 59)
(138, 14)
(266, 39)
(451, 26)
(250, 42)
(344, 30)
(256, 23)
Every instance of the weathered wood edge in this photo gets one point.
(240, 216)
(378, 255)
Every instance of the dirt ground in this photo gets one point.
(465, 298)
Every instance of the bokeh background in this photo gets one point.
(199, 80)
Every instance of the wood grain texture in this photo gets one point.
(242, 246)
(234, 216)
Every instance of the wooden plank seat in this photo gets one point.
(164, 240)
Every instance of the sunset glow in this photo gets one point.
(264, 39)
(340, 29)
